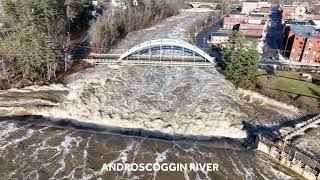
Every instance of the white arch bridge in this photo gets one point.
(170, 52)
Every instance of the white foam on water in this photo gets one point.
(236, 169)
(281, 175)
(67, 143)
(33, 175)
(123, 156)
(161, 156)
(262, 175)
(186, 175)
(6, 129)
(249, 173)
(65, 148)
(11, 128)
(85, 151)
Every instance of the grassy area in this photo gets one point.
(289, 85)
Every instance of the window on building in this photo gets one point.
(301, 43)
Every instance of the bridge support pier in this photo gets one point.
(160, 53)
(171, 53)
(150, 54)
(183, 54)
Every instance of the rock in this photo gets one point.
(22, 83)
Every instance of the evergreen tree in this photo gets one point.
(241, 57)
(40, 32)
(27, 43)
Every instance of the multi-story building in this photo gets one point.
(263, 11)
(221, 38)
(253, 29)
(298, 11)
(234, 19)
(302, 43)
(249, 6)
(218, 38)
(294, 12)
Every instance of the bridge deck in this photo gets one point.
(151, 62)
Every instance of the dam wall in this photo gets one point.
(299, 163)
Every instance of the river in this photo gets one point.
(71, 134)
(32, 148)
(135, 114)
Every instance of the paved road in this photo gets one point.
(274, 35)
(203, 36)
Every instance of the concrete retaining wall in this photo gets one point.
(286, 162)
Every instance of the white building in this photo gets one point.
(248, 6)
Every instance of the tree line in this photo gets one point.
(35, 46)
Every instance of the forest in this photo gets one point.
(33, 45)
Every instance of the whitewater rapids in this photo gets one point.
(173, 101)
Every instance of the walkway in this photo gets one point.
(303, 127)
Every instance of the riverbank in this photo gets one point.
(18, 82)
(291, 88)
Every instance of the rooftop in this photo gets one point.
(316, 22)
(228, 33)
(305, 31)
(297, 22)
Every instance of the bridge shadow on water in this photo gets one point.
(72, 124)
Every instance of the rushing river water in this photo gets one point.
(73, 139)
(33, 148)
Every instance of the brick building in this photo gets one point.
(302, 43)
(255, 30)
(248, 6)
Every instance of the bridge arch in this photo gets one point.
(167, 42)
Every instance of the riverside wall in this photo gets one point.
(301, 166)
